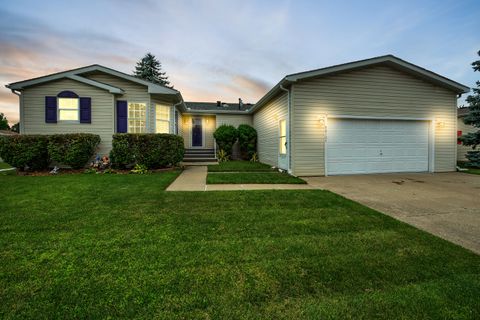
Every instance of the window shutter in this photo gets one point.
(85, 110)
(51, 109)
(122, 116)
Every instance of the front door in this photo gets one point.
(197, 132)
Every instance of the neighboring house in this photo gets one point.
(370, 116)
(462, 129)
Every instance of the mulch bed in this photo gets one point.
(82, 171)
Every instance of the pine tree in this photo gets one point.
(150, 69)
(473, 118)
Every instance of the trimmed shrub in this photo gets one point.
(149, 149)
(226, 136)
(74, 149)
(22, 151)
(247, 139)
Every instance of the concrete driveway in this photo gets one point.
(444, 204)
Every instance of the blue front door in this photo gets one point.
(197, 132)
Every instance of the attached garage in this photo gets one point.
(361, 146)
(378, 115)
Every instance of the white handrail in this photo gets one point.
(215, 147)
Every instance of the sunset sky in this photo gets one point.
(223, 50)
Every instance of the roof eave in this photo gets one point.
(270, 94)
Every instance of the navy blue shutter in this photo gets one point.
(85, 110)
(122, 117)
(51, 109)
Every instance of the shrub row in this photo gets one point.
(227, 135)
(37, 151)
(148, 149)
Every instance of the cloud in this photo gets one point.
(246, 87)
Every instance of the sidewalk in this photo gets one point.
(194, 178)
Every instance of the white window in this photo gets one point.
(137, 117)
(68, 109)
(282, 148)
(162, 113)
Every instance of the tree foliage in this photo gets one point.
(473, 119)
(149, 68)
(247, 139)
(226, 136)
(4, 122)
(16, 127)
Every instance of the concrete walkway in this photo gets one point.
(194, 178)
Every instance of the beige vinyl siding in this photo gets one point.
(208, 129)
(461, 149)
(134, 92)
(180, 123)
(266, 122)
(33, 117)
(378, 91)
(234, 119)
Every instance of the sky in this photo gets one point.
(227, 49)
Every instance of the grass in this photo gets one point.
(118, 246)
(240, 166)
(4, 165)
(252, 177)
(473, 171)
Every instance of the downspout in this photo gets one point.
(21, 109)
(175, 124)
(289, 117)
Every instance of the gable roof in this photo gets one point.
(76, 74)
(389, 60)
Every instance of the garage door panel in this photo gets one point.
(376, 146)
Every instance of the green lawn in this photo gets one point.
(252, 177)
(239, 166)
(118, 246)
(4, 165)
(473, 171)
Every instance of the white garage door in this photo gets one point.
(376, 146)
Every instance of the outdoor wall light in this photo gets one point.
(321, 120)
(441, 124)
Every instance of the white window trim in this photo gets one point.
(146, 115)
(58, 110)
(280, 137)
(169, 117)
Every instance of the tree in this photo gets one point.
(4, 122)
(150, 69)
(225, 136)
(473, 118)
(16, 127)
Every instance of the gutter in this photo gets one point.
(181, 102)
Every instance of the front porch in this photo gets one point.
(197, 132)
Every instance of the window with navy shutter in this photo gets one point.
(85, 110)
(122, 116)
(51, 109)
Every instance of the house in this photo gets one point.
(462, 129)
(378, 115)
